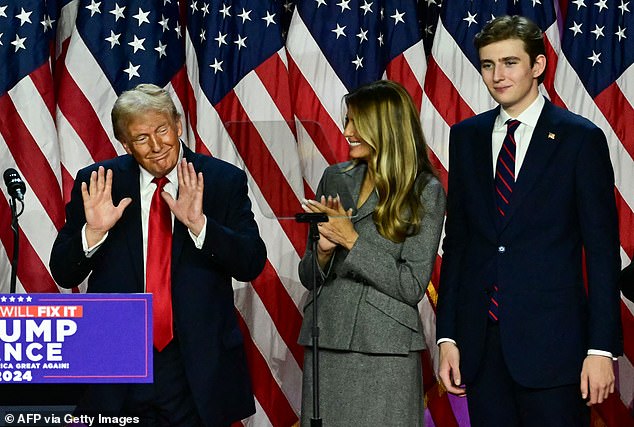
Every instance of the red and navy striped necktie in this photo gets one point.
(504, 183)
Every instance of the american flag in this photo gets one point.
(454, 91)
(260, 83)
(28, 141)
(595, 78)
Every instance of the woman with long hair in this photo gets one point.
(375, 257)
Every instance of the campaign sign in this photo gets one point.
(75, 338)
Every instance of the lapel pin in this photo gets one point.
(551, 135)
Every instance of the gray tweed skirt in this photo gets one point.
(360, 389)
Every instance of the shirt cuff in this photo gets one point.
(88, 252)
(442, 340)
(593, 352)
(200, 239)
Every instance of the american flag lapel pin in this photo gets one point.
(551, 136)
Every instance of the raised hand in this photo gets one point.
(339, 229)
(101, 214)
(188, 206)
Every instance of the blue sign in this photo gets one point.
(76, 338)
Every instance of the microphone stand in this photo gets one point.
(313, 236)
(16, 240)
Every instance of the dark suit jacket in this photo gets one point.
(202, 296)
(563, 202)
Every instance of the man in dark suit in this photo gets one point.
(530, 190)
(183, 244)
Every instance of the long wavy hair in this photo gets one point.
(387, 120)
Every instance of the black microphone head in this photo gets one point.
(14, 184)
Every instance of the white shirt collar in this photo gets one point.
(528, 117)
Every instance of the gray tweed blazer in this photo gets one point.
(369, 295)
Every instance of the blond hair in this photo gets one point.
(143, 98)
(387, 120)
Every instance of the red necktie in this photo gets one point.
(504, 183)
(159, 265)
(505, 168)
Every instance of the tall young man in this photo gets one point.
(530, 190)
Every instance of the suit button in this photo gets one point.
(501, 249)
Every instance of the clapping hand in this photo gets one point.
(339, 229)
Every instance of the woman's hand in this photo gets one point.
(339, 229)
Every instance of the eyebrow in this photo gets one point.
(506, 58)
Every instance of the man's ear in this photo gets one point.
(539, 66)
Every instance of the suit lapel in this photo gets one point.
(542, 146)
(483, 163)
(127, 178)
(353, 179)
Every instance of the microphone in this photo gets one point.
(14, 184)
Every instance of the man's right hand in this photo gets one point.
(101, 213)
(449, 369)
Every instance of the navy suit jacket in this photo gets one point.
(202, 296)
(563, 204)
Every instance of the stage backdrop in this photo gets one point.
(259, 83)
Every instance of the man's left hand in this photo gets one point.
(597, 379)
(188, 206)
